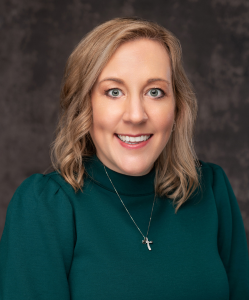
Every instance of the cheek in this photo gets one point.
(105, 117)
(164, 119)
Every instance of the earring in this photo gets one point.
(174, 126)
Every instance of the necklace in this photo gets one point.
(145, 240)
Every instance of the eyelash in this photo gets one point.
(163, 93)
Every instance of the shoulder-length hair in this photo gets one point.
(176, 174)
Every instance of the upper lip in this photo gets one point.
(134, 135)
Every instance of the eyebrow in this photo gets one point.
(122, 82)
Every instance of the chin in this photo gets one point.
(133, 171)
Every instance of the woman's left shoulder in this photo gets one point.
(211, 171)
(208, 166)
(214, 175)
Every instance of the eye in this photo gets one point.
(156, 91)
(114, 93)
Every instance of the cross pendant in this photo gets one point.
(146, 241)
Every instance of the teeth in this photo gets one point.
(134, 139)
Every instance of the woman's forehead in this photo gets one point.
(144, 58)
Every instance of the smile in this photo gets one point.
(133, 145)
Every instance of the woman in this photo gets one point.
(121, 217)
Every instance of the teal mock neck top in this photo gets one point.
(62, 245)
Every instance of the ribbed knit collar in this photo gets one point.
(124, 184)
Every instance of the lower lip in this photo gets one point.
(135, 146)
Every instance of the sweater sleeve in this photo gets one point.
(37, 243)
(232, 242)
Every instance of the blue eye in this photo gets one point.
(114, 93)
(155, 92)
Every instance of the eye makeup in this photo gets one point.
(162, 91)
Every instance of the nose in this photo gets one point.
(135, 110)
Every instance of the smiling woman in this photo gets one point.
(125, 133)
(109, 89)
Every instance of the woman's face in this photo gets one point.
(126, 99)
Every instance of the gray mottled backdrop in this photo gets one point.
(38, 36)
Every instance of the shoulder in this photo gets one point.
(214, 177)
(42, 188)
(210, 172)
(36, 183)
(40, 208)
(210, 166)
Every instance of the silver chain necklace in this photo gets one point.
(145, 240)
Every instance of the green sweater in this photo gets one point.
(61, 245)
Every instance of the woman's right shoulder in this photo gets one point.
(45, 187)
(36, 183)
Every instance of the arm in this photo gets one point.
(232, 241)
(37, 244)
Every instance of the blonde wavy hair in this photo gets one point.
(176, 174)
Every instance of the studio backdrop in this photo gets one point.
(38, 36)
